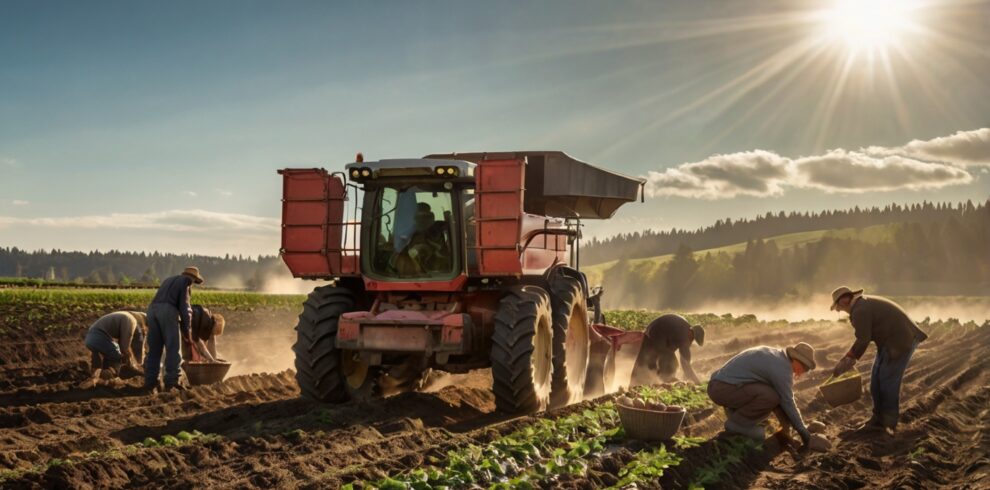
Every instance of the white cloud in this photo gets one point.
(962, 148)
(196, 220)
(853, 172)
(190, 193)
(9, 162)
(752, 173)
(917, 165)
(20, 202)
(225, 192)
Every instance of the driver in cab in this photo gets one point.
(428, 249)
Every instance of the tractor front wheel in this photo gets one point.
(320, 371)
(522, 352)
(571, 339)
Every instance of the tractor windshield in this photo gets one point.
(411, 233)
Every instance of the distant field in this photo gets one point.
(70, 298)
(648, 265)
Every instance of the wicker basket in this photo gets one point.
(650, 425)
(205, 373)
(843, 391)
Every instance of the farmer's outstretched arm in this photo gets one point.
(685, 355)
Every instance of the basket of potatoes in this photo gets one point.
(649, 421)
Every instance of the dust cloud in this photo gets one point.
(817, 308)
(257, 354)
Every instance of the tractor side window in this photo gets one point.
(415, 230)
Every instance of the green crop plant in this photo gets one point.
(728, 452)
(647, 466)
(536, 452)
(691, 397)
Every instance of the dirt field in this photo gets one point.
(53, 435)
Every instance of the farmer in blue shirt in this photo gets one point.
(169, 311)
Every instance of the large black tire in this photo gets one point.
(319, 371)
(571, 338)
(522, 354)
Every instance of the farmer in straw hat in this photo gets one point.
(116, 341)
(169, 311)
(664, 337)
(883, 322)
(758, 381)
(206, 327)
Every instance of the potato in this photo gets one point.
(658, 406)
(819, 443)
(675, 408)
(637, 403)
(816, 427)
(624, 401)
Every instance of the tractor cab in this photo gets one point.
(413, 214)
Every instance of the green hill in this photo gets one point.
(648, 265)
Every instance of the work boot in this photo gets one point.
(888, 420)
(179, 388)
(738, 424)
(871, 425)
(150, 389)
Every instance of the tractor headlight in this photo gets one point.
(440, 170)
(365, 172)
(355, 173)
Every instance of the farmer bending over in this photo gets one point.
(116, 342)
(657, 358)
(206, 327)
(879, 320)
(167, 311)
(758, 381)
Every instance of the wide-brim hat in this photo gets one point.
(803, 353)
(699, 334)
(193, 272)
(842, 291)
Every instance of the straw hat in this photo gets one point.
(699, 334)
(803, 353)
(218, 324)
(193, 272)
(842, 291)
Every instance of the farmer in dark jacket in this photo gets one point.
(883, 322)
(664, 337)
(169, 311)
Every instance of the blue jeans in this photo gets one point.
(885, 384)
(163, 332)
(101, 344)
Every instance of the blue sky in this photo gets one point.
(160, 125)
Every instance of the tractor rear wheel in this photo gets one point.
(522, 353)
(571, 339)
(319, 370)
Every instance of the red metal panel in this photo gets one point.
(313, 226)
(499, 196)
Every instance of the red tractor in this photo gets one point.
(451, 261)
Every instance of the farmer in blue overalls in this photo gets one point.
(169, 311)
(883, 322)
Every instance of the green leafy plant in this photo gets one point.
(728, 452)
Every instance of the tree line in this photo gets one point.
(136, 268)
(923, 257)
(651, 243)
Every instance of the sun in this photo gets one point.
(869, 25)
